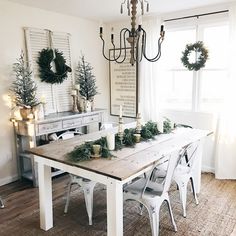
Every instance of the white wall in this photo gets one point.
(85, 38)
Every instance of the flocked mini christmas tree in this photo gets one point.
(24, 88)
(86, 80)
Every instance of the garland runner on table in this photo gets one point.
(202, 56)
(46, 57)
(84, 151)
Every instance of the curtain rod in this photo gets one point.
(204, 14)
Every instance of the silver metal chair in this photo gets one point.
(183, 173)
(151, 194)
(86, 184)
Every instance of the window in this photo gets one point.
(190, 90)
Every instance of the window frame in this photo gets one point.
(198, 25)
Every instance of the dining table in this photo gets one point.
(124, 166)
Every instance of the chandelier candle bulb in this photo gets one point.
(162, 28)
(110, 141)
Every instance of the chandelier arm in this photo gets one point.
(126, 30)
(123, 30)
(103, 50)
(157, 57)
(159, 51)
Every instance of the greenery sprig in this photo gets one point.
(148, 131)
(84, 151)
(167, 126)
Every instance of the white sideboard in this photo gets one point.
(32, 133)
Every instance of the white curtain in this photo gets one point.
(225, 167)
(149, 74)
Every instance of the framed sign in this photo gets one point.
(123, 86)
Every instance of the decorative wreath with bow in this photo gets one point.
(48, 56)
(201, 56)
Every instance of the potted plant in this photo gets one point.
(24, 88)
(87, 82)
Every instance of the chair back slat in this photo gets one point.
(172, 163)
(190, 155)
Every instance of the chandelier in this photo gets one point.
(136, 37)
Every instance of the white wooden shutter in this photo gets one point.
(63, 99)
(57, 96)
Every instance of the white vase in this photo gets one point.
(87, 106)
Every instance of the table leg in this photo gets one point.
(114, 208)
(45, 196)
(197, 172)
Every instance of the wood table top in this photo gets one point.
(127, 161)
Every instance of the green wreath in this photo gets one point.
(45, 69)
(197, 47)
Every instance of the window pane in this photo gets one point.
(173, 46)
(216, 40)
(212, 90)
(176, 90)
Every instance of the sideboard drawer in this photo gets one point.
(49, 127)
(72, 123)
(90, 119)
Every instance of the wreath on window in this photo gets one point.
(201, 56)
(46, 72)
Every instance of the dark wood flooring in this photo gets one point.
(214, 216)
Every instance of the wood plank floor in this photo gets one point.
(214, 216)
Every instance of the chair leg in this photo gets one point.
(68, 198)
(194, 192)
(183, 196)
(1, 203)
(88, 196)
(141, 206)
(171, 213)
(154, 219)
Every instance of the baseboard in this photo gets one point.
(208, 169)
(8, 180)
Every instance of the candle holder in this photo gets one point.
(138, 123)
(74, 106)
(120, 129)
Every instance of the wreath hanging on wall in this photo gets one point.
(46, 57)
(201, 58)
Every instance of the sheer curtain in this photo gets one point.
(225, 166)
(149, 73)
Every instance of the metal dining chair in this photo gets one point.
(86, 184)
(183, 173)
(151, 194)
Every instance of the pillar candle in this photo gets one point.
(110, 141)
(73, 92)
(120, 111)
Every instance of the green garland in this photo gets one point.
(149, 131)
(45, 69)
(197, 47)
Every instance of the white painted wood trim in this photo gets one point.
(114, 208)
(45, 196)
